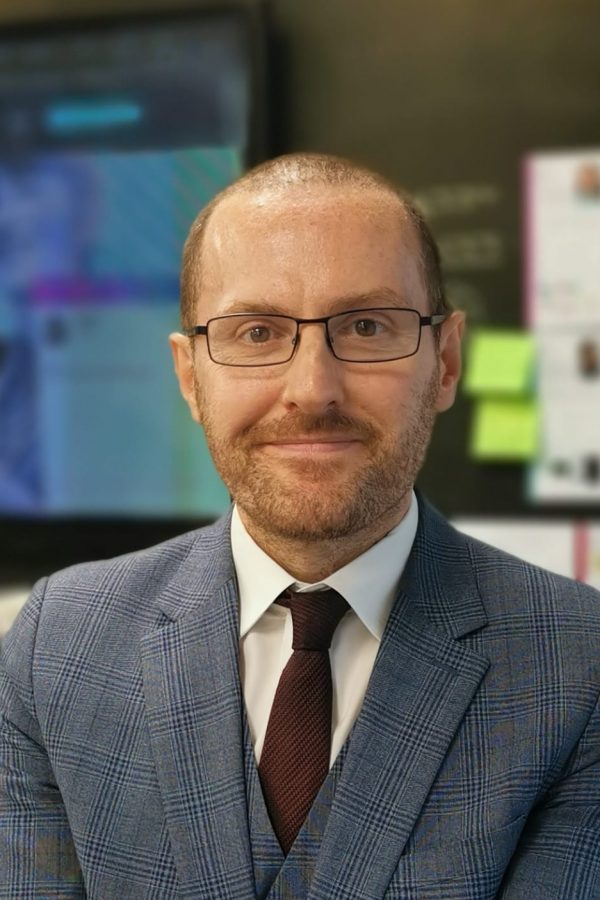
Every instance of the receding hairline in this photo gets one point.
(286, 174)
(251, 203)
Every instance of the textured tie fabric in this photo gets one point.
(295, 757)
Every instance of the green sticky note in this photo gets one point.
(505, 430)
(499, 362)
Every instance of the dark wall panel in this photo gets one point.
(445, 98)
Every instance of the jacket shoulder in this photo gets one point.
(506, 584)
(497, 571)
(126, 589)
(151, 566)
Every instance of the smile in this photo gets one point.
(311, 447)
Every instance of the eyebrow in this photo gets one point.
(380, 297)
(383, 296)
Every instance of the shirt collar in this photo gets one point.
(369, 582)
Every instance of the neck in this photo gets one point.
(312, 561)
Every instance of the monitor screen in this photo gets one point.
(114, 135)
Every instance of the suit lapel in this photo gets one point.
(193, 697)
(421, 687)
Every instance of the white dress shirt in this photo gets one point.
(368, 583)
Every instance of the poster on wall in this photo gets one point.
(562, 260)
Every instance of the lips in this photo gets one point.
(311, 446)
(314, 439)
(303, 431)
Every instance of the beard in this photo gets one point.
(314, 500)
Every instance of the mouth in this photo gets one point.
(312, 445)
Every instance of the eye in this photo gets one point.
(367, 327)
(256, 331)
(258, 334)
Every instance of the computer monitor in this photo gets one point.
(114, 134)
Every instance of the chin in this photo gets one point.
(314, 512)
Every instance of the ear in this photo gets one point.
(184, 369)
(450, 360)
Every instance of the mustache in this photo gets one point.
(302, 424)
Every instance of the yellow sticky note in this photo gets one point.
(505, 430)
(499, 362)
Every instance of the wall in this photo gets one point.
(445, 98)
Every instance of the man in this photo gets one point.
(161, 736)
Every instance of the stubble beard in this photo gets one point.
(314, 502)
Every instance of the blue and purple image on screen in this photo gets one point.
(90, 418)
(113, 135)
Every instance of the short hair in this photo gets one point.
(309, 169)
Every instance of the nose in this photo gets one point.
(314, 379)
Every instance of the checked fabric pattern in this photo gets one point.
(295, 757)
(471, 773)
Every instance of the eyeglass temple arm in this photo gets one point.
(197, 329)
(434, 320)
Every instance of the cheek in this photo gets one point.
(399, 397)
(387, 391)
(232, 400)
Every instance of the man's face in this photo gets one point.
(316, 448)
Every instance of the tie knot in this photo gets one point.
(315, 616)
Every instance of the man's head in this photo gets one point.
(315, 448)
(311, 171)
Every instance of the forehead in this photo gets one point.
(306, 246)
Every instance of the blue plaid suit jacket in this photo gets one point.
(473, 769)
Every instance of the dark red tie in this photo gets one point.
(295, 757)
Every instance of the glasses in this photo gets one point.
(359, 335)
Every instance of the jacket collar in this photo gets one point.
(439, 579)
(205, 569)
(440, 558)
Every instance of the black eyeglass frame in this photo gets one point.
(321, 320)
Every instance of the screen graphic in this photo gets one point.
(113, 140)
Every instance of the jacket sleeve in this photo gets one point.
(37, 855)
(558, 855)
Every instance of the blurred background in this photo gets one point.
(119, 120)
